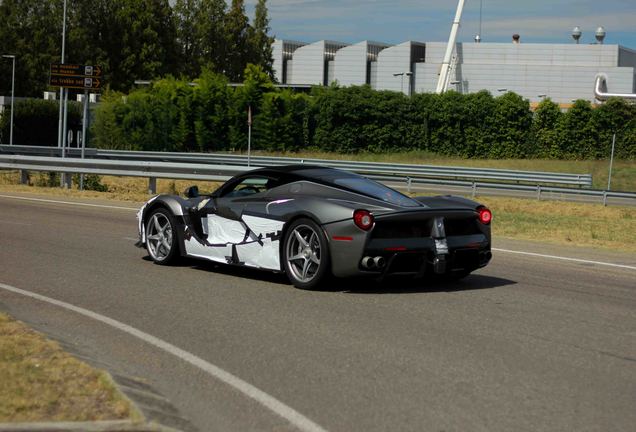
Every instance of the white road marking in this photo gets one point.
(69, 203)
(566, 259)
(273, 404)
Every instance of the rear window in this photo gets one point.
(361, 185)
(376, 190)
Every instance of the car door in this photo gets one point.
(240, 221)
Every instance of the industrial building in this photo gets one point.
(562, 72)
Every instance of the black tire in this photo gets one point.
(305, 254)
(161, 237)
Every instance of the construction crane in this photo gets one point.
(449, 59)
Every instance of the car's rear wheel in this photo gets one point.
(161, 239)
(305, 254)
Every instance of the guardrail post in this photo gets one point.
(67, 180)
(474, 189)
(24, 177)
(152, 185)
(408, 184)
(539, 192)
(605, 198)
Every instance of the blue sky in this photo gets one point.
(429, 20)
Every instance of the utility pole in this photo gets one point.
(59, 130)
(249, 134)
(11, 56)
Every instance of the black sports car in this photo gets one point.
(311, 221)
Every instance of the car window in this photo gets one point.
(250, 186)
(376, 190)
(363, 185)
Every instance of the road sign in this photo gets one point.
(76, 82)
(92, 71)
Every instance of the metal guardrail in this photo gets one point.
(539, 192)
(366, 168)
(154, 170)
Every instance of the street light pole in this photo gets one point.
(11, 56)
(401, 74)
(60, 126)
(409, 74)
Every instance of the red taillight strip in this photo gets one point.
(340, 238)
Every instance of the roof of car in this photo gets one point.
(298, 169)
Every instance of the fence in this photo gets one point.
(367, 168)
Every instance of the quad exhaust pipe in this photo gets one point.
(373, 262)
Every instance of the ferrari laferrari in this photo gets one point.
(314, 222)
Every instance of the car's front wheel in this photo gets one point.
(161, 239)
(305, 254)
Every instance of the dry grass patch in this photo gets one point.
(40, 382)
(134, 189)
(564, 223)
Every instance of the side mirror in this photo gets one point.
(192, 192)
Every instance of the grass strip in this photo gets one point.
(564, 223)
(41, 382)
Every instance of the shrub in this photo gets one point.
(36, 121)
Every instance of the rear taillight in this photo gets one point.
(363, 219)
(485, 215)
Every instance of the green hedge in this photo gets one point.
(212, 116)
(36, 121)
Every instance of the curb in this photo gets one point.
(96, 426)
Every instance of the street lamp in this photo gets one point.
(401, 74)
(11, 56)
(457, 85)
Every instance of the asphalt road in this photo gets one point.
(528, 343)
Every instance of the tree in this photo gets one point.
(147, 47)
(211, 106)
(260, 43)
(236, 30)
(546, 118)
(30, 30)
(447, 122)
(576, 135)
(256, 83)
(616, 116)
(200, 35)
(130, 39)
(512, 120)
(478, 129)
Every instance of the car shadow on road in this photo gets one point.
(242, 272)
(414, 286)
(392, 285)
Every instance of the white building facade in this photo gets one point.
(562, 72)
